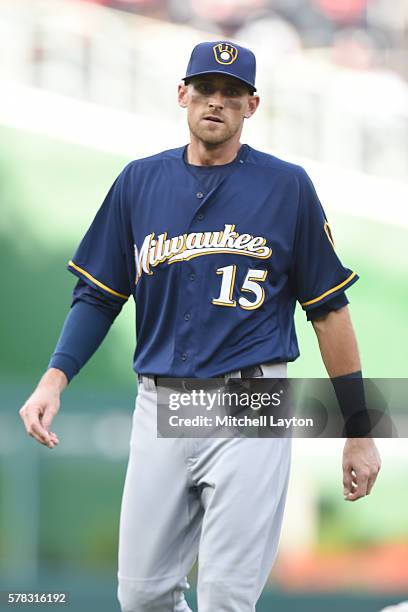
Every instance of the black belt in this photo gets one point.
(249, 372)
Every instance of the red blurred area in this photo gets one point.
(346, 11)
(381, 568)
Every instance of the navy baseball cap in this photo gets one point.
(223, 57)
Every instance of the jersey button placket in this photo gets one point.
(200, 196)
(187, 340)
(186, 349)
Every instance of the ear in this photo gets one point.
(253, 103)
(182, 95)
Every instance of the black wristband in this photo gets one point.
(349, 390)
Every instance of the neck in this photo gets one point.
(202, 154)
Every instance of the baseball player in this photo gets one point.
(216, 242)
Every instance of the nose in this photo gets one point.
(216, 101)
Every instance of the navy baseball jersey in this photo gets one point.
(215, 273)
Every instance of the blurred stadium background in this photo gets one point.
(87, 86)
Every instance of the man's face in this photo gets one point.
(216, 107)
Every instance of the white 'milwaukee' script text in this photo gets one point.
(156, 250)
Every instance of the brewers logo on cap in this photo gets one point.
(225, 53)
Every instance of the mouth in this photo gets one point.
(213, 119)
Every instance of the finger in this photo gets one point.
(36, 430)
(373, 476)
(347, 481)
(371, 482)
(54, 438)
(47, 418)
(33, 421)
(30, 414)
(360, 490)
(51, 443)
(350, 494)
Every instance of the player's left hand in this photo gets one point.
(361, 464)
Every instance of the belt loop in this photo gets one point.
(151, 383)
(148, 382)
(234, 374)
(275, 370)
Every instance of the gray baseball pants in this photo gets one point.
(220, 500)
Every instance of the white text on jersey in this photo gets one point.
(157, 250)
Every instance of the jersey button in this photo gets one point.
(192, 276)
(200, 216)
(184, 356)
(199, 195)
(187, 316)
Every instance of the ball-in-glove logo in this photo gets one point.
(225, 53)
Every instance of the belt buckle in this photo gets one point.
(247, 375)
(190, 384)
(185, 384)
(252, 372)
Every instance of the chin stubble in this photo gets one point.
(212, 140)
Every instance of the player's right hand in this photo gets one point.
(41, 407)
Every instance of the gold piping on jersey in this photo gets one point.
(329, 234)
(352, 275)
(94, 280)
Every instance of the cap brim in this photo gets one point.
(247, 83)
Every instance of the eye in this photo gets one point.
(233, 92)
(204, 88)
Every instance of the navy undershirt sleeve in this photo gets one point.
(84, 329)
(86, 325)
(109, 306)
